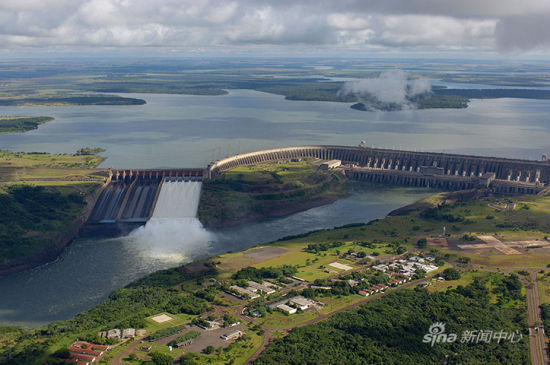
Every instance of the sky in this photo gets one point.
(440, 28)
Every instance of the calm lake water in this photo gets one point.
(190, 131)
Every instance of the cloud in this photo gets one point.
(358, 25)
(390, 87)
(521, 33)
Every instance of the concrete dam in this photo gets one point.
(425, 169)
(130, 198)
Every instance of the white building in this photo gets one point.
(300, 302)
(245, 292)
(381, 267)
(286, 309)
(262, 288)
(232, 335)
(113, 333)
(330, 164)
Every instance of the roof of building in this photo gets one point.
(286, 308)
(300, 300)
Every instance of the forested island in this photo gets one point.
(21, 124)
(70, 100)
(424, 101)
(449, 98)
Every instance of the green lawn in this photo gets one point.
(278, 319)
(178, 319)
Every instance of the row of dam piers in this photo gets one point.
(131, 197)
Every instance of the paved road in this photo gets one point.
(537, 340)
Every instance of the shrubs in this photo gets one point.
(255, 274)
(185, 337)
(319, 247)
(166, 332)
(422, 243)
(159, 358)
(451, 274)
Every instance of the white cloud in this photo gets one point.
(422, 30)
(347, 21)
(521, 33)
(423, 25)
(389, 87)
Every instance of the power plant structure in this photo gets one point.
(130, 196)
(426, 169)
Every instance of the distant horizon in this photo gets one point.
(166, 57)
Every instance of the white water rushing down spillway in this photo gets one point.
(174, 233)
(178, 199)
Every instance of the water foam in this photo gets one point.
(174, 234)
(176, 240)
(178, 199)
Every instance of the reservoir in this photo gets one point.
(190, 131)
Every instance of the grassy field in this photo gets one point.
(543, 281)
(47, 160)
(178, 320)
(280, 320)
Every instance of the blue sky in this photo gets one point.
(441, 28)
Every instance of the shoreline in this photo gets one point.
(281, 213)
(60, 243)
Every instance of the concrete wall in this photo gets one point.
(191, 174)
(514, 171)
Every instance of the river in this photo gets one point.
(190, 131)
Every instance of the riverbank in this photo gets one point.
(197, 292)
(45, 200)
(50, 251)
(270, 190)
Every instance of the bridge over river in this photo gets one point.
(129, 197)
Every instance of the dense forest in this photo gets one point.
(496, 93)
(390, 330)
(72, 100)
(30, 217)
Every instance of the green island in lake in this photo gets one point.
(21, 124)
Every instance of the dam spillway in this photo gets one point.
(178, 199)
(130, 198)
